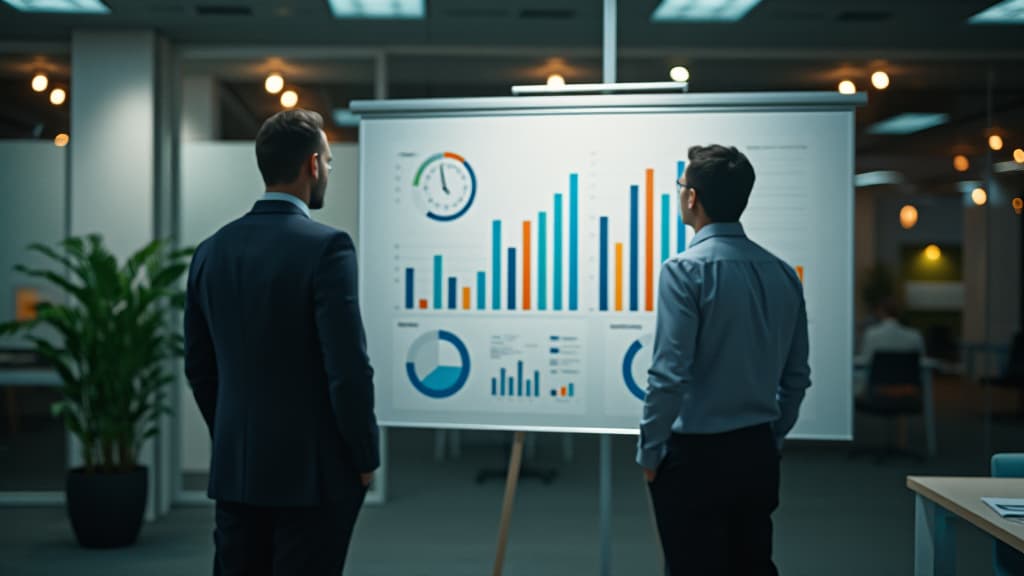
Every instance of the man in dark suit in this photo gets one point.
(276, 357)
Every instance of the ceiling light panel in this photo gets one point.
(702, 10)
(379, 9)
(60, 6)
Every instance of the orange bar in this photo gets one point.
(526, 265)
(423, 304)
(565, 391)
(649, 263)
(465, 298)
(800, 272)
(618, 276)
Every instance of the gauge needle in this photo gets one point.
(444, 184)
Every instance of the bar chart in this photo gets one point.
(521, 277)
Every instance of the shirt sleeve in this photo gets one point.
(671, 370)
(796, 377)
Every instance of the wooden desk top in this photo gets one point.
(962, 497)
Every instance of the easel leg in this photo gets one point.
(514, 463)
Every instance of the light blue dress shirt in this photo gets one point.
(282, 197)
(730, 349)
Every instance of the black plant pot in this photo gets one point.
(106, 509)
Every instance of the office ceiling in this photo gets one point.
(937, 61)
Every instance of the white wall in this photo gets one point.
(34, 210)
(220, 181)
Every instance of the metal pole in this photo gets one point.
(986, 210)
(605, 491)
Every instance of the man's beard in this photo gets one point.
(316, 195)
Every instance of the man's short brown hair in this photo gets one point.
(285, 141)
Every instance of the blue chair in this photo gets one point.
(1005, 560)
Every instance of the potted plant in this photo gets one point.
(114, 338)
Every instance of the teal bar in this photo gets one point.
(574, 209)
(542, 261)
(496, 265)
(481, 288)
(437, 282)
(664, 226)
(558, 252)
(680, 227)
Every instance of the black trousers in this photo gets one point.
(258, 541)
(713, 500)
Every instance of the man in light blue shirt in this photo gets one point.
(728, 375)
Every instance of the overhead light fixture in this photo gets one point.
(932, 252)
(880, 80)
(58, 96)
(847, 87)
(908, 123)
(40, 83)
(995, 142)
(961, 163)
(702, 10)
(1018, 205)
(60, 6)
(345, 118)
(878, 178)
(379, 9)
(273, 84)
(61, 140)
(555, 81)
(1018, 156)
(679, 74)
(1005, 12)
(979, 196)
(908, 216)
(289, 98)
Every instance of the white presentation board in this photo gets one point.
(510, 248)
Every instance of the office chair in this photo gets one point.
(894, 392)
(1007, 561)
(1013, 372)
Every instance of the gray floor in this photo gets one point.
(839, 516)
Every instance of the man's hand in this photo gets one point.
(367, 479)
(649, 475)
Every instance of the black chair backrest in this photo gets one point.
(895, 369)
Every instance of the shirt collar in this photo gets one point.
(727, 229)
(282, 197)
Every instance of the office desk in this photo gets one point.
(928, 393)
(940, 499)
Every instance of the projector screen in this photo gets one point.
(510, 248)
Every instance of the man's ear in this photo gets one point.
(313, 165)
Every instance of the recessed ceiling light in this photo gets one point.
(908, 123)
(1005, 12)
(702, 10)
(380, 9)
(847, 87)
(60, 6)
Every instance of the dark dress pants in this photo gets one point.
(713, 496)
(258, 541)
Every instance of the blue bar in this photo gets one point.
(542, 261)
(529, 388)
(408, 288)
(680, 227)
(452, 289)
(437, 282)
(536, 383)
(496, 265)
(481, 292)
(511, 278)
(574, 183)
(570, 389)
(558, 252)
(494, 386)
(519, 378)
(503, 382)
(634, 246)
(602, 278)
(665, 198)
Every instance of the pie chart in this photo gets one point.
(437, 364)
(635, 364)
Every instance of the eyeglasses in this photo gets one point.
(680, 186)
(330, 162)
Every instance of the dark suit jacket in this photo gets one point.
(276, 357)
